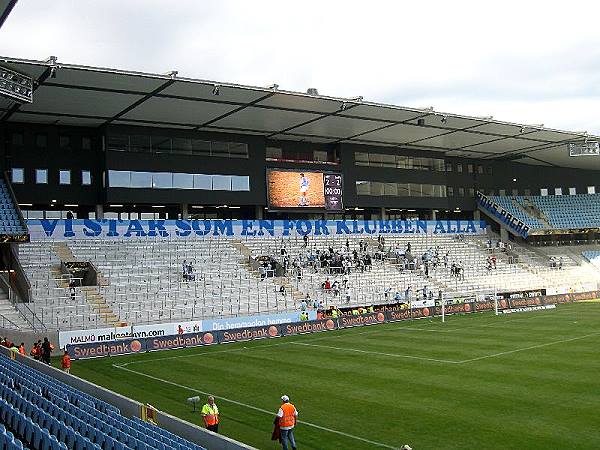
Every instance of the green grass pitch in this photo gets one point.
(521, 381)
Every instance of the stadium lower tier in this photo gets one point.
(43, 413)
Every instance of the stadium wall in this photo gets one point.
(25, 152)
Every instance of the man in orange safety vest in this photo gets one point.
(287, 416)
(210, 414)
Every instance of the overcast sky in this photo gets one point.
(524, 61)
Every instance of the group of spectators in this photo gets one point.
(556, 263)
(41, 350)
(187, 271)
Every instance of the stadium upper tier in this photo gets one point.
(10, 220)
(44, 413)
(553, 211)
(141, 281)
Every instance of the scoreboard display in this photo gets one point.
(294, 189)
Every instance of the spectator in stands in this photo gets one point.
(210, 414)
(335, 287)
(408, 294)
(327, 285)
(560, 263)
(184, 270)
(65, 363)
(305, 240)
(46, 350)
(35, 352)
(287, 416)
(262, 270)
(282, 290)
(347, 245)
(303, 305)
(22, 349)
(398, 297)
(72, 290)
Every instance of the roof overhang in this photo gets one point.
(67, 94)
(6, 7)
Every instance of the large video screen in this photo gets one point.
(304, 190)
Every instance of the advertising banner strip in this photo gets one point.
(65, 229)
(389, 314)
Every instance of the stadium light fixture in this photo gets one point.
(514, 180)
(216, 89)
(356, 99)
(273, 86)
(485, 117)
(171, 73)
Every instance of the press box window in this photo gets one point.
(86, 177)
(64, 142)
(41, 176)
(41, 140)
(86, 143)
(64, 177)
(17, 139)
(18, 175)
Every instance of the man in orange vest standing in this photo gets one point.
(287, 416)
(210, 414)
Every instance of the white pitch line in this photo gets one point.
(508, 352)
(255, 408)
(395, 355)
(206, 353)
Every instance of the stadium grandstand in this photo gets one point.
(142, 205)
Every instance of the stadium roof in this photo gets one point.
(75, 95)
(6, 7)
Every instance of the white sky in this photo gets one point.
(524, 61)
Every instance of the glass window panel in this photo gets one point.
(427, 190)
(64, 141)
(448, 167)
(480, 170)
(439, 165)
(18, 175)
(375, 160)
(320, 155)
(118, 142)
(376, 188)
(141, 180)
(162, 180)
(501, 191)
(240, 183)
(443, 192)
(403, 190)
(41, 140)
(361, 159)
(219, 149)
(461, 192)
(239, 150)
(119, 178)
(470, 168)
(52, 214)
(86, 143)
(572, 191)
(558, 191)
(139, 143)
(363, 188)
(16, 138)
(64, 177)
(203, 182)
(86, 177)
(221, 182)
(41, 176)
(527, 191)
(35, 214)
(401, 162)
(200, 147)
(450, 191)
(183, 181)
(472, 192)
(274, 152)
(415, 189)
(388, 160)
(161, 144)
(459, 168)
(181, 145)
(590, 190)
(515, 192)
(390, 189)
